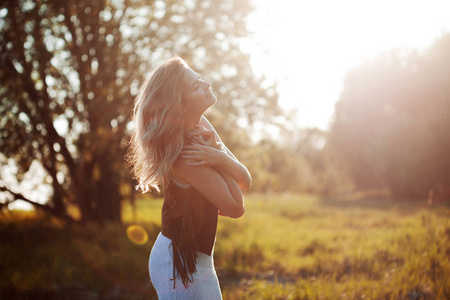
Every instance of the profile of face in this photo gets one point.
(197, 96)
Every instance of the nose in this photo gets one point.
(207, 84)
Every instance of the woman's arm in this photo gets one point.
(202, 153)
(219, 188)
(232, 186)
(205, 123)
(236, 170)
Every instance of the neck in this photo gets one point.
(190, 122)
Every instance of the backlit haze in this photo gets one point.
(308, 46)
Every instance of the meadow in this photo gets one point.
(285, 247)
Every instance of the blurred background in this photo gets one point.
(339, 109)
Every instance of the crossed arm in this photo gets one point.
(212, 152)
(214, 171)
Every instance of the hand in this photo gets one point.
(199, 154)
(205, 137)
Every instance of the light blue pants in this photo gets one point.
(204, 286)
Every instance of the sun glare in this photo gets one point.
(308, 46)
(137, 234)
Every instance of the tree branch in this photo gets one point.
(18, 196)
(46, 208)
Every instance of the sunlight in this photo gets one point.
(308, 46)
(30, 186)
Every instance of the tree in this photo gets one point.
(392, 122)
(296, 160)
(70, 70)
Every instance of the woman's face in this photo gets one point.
(196, 96)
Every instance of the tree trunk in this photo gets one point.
(108, 195)
(100, 197)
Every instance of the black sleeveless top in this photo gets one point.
(190, 221)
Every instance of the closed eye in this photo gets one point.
(196, 85)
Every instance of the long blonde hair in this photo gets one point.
(157, 139)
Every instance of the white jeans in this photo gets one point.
(204, 286)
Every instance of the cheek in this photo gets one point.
(191, 101)
(195, 97)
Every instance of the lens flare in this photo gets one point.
(137, 234)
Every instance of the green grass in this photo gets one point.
(290, 247)
(285, 247)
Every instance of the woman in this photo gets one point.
(175, 147)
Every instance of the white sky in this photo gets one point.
(308, 46)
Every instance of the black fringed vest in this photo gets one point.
(190, 221)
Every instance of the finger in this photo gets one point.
(200, 163)
(193, 136)
(190, 151)
(196, 147)
(200, 140)
(190, 157)
(191, 161)
(200, 126)
(192, 147)
(209, 133)
(196, 132)
(204, 135)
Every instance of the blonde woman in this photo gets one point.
(175, 147)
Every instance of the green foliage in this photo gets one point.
(285, 247)
(69, 71)
(392, 121)
(296, 161)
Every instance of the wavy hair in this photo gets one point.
(157, 139)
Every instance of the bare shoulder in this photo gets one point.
(181, 168)
(179, 171)
(204, 122)
(191, 174)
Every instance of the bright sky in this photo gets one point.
(307, 46)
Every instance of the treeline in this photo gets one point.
(69, 71)
(390, 130)
(392, 123)
(296, 160)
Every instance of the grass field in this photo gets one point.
(285, 247)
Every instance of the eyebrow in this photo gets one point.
(198, 77)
